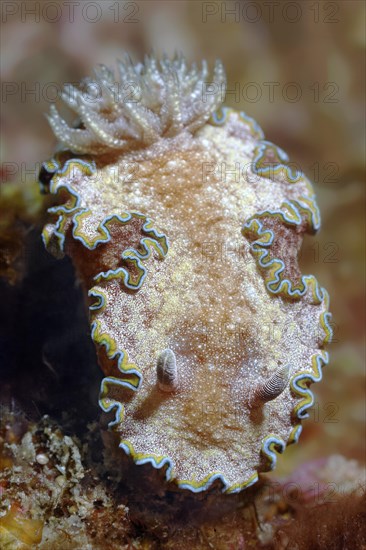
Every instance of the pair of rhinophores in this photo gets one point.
(207, 357)
(167, 377)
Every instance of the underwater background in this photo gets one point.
(297, 68)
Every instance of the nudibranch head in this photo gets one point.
(184, 225)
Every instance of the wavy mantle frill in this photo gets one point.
(120, 253)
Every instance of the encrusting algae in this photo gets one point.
(184, 226)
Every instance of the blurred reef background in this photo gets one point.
(298, 68)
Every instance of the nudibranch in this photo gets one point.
(184, 225)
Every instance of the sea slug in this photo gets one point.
(184, 225)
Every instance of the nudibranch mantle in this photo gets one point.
(187, 242)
